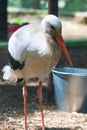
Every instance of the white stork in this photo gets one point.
(34, 50)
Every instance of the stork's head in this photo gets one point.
(52, 25)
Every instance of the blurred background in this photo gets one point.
(72, 13)
(17, 13)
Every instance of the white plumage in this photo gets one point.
(36, 47)
(33, 52)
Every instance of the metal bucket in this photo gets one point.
(70, 85)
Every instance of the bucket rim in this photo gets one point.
(71, 71)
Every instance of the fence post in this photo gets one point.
(3, 20)
(52, 9)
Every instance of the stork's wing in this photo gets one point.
(24, 41)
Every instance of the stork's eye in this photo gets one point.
(53, 27)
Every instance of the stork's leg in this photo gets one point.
(25, 104)
(39, 93)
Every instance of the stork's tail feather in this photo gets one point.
(10, 75)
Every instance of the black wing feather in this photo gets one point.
(14, 63)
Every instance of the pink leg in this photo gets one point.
(25, 105)
(39, 93)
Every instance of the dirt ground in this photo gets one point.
(11, 100)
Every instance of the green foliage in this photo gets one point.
(28, 3)
(74, 5)
(64, 5)
(14, 3)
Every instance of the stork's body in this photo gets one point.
(33, 52)
(39, 55)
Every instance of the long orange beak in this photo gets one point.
(61, 43)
